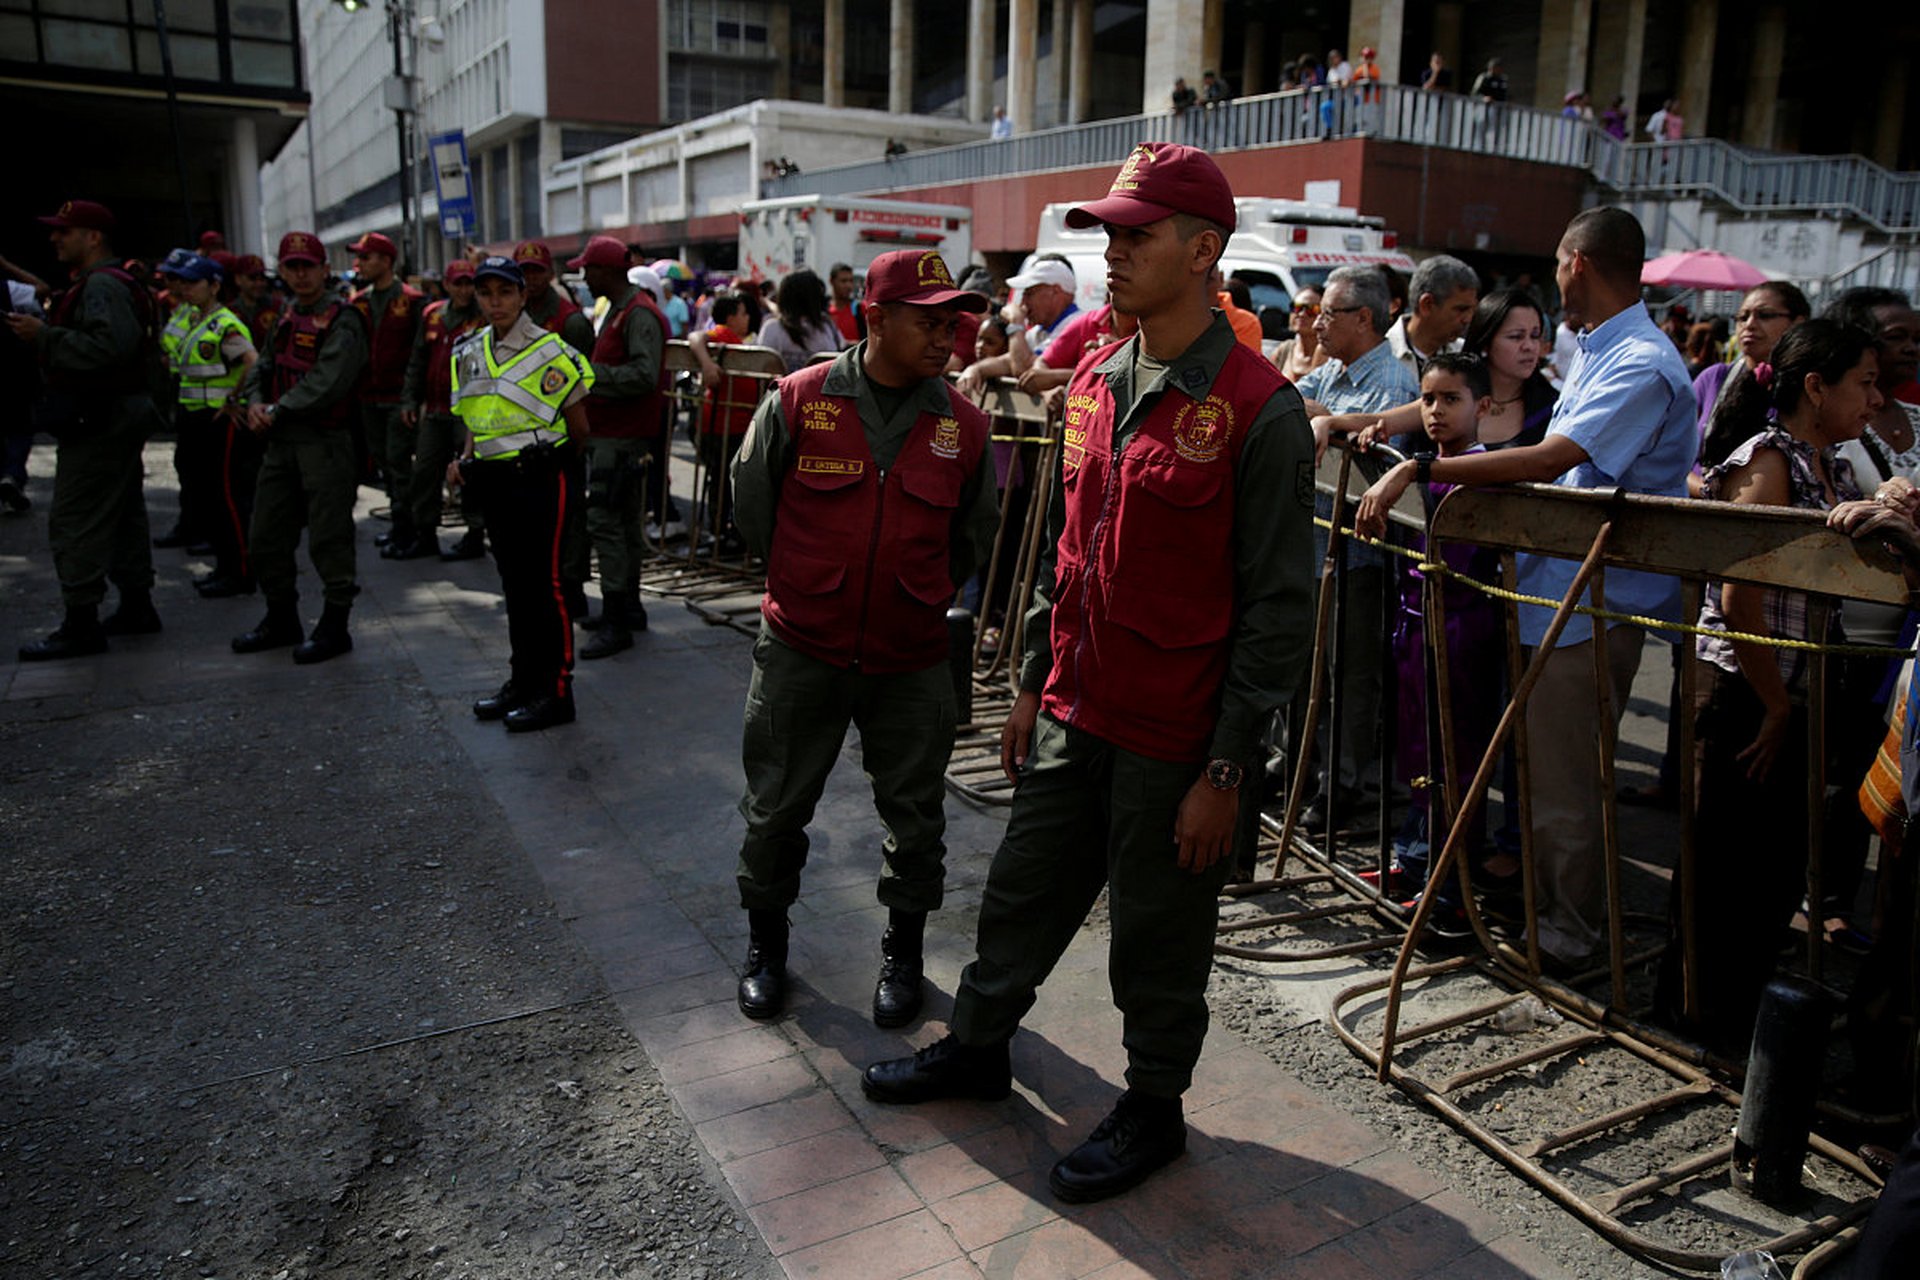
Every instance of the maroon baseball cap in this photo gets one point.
(458, 269)
(920, 277)
(536, 253)
(374, 242)
(1159, 180)
(249, 264)
(302, 246)
(211, 240)
(601, 251)
(84, 214)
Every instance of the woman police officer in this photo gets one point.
(519, 390)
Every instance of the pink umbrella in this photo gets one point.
(1702, 269)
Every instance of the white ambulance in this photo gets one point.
(779, 237)
(1278, 248)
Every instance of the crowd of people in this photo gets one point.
(1171, 617)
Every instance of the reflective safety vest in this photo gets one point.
(516, 405)
(1144, 589)
(174, 336)
(205, 378)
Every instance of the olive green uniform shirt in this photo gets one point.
(335, 373)
(1272, 635)
(766, 452)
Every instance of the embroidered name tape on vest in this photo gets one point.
(831, 466)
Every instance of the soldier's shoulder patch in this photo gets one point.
(552, 380)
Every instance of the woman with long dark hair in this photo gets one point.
(802, 328)
(1817, 392)
(1765, 315)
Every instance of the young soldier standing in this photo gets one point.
(391, 308)
(627, 408)
(864, 484)
(519, 390)
(1175, 617)
(100, 358)
(301, 398)
(428, 410)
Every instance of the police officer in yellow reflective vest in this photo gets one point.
(519, 389)
(214, 352)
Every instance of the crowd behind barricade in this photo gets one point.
(1171, 612)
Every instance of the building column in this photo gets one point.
(1888, 130)
(1382, 24)
(1566, 44)
(1023, 43)
(833, 55)
(1619, 47)
(1213, 35)
(900, 59)
(1253, 59)
(1174, 31)
(980, 22)
(245, 235)
(1760, 114)
(1696, 64)
(1080, 69)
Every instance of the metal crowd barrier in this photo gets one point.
(1696, 541)
(724, 590)
(1022, 426)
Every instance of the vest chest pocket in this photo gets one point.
(1168, 621)
(935, 486)
(1178, 484)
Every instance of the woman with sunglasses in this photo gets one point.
(1765, 315)
(1301, 354)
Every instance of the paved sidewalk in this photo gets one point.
(628, 818)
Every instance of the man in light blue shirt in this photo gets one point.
(1363, 376)
(1624, 420)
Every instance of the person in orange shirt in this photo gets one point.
(1246, 325)
(731, 399)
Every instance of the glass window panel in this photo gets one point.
(257, 62)
(87, 44)
(18, 6)
(182, 15)
(262, 19)
(16, 39)
(194, 57)
(101, 10)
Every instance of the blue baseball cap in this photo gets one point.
(500, 268)
(184, 264)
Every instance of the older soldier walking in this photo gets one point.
(300, 397)
(864, 483)
(99, 354)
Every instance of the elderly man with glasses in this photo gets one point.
(1361, 375)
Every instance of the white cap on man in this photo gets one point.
(1047, 271)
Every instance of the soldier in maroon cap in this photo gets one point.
(254, 299)
(300, 398)
(1172, 617)
(865, 484)
(99, 352)
(392, 308)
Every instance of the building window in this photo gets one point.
(734, 28)
(231, 43)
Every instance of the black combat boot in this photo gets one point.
(763, 987)
(614, 634)
(944, 1069)
(1142, 1133)
(542, 711)
(896, 997)
(280, 628)
(495, 706)
(78, 634)
(471, 546)
(136, 616)
(329, 638)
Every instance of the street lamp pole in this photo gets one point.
(399, 21)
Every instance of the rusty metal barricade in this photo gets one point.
(1023, 428)
(1333, 892)
(723, 590)
(1696, 541)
